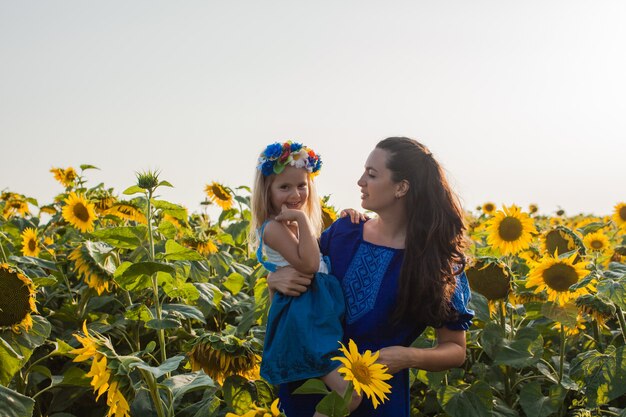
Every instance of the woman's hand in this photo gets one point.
(396, 358)
(355, 216)
(288, 281)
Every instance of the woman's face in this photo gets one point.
(378, 190)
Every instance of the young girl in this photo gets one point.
(303, 333)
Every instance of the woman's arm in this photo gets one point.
(449, 353)
(303, 252)
(288, 281)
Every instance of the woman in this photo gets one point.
(400, 272)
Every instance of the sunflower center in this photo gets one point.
(32, 245)
(510, 229)
(361, 373)
(81, 212)
(489, 207)
(556, 241)
(560, 277)
(622, 213)
(491, 281)
(220, 193)
(596, 244)
(14, 299)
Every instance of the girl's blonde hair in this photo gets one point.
(261, 206)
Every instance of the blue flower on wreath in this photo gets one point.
(267, 168)
(295, 147)
(273, 151)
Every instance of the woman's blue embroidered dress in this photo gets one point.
(369, 278)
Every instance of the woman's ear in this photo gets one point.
(402, 188)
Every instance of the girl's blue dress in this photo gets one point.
(303, 333)
(369, 277)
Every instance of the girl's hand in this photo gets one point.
(355, 216)
(288, 215)
(288, 281)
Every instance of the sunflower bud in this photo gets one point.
(148, 180)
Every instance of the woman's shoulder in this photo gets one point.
(340, 231)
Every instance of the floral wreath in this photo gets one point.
(277, 156)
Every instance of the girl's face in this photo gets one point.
(378, 190)
(291, 188)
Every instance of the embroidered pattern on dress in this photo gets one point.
(363, 278)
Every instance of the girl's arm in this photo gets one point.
(303, 252)
(449, 353)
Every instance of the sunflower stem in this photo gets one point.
(154, 392)
(4, 255)
(155, 284)
(562, 353)
(622, 323)
(597, 336)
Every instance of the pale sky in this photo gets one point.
(521, 101)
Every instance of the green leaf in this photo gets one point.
(525, 350)
(184, 383)
(534, 403)
(85, 167)
(167, 229)
(16, 348)
(76, 377)
(312, 386)
(473, 401)
(44, 281)
(137, 276)
(480, 305)
(185, 311)
(171, 364)
(614, 291)
(13, 404)
(133, 189)
(602, 374)
(332, 405)
(138, 312)
(129, 237)
(164, 184)
(491, 338)
(234, 282)
(163, 324)
(174, 251)
(174, 210)
(563, 314)
(25, 261)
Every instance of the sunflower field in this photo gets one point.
(125, 304)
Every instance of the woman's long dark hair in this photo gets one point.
(435, 234)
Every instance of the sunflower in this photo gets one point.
(329, 215)
(17, 204)
(596, 242)
(533, 208)
(220, 195)
(596, 308)
(30, 245)
(489, 208)
(366, 375)
(510, 230)
(556, 276)
(491, 279)
(557, 240)
(92, 273)
(65, 176)
(102, 379)
(257, 411)
(17, 299)
(79, 212)
(570, 330)
(127, 211)
(48, 209)
(619, 215)
(220, 356)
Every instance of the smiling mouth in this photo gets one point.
(293, 205)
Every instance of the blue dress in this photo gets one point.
(369, 277)
(303, 333)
